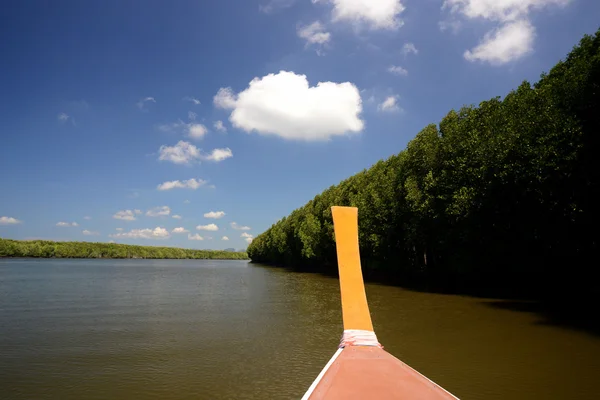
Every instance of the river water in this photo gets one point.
(189, 329)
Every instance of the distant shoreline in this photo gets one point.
(94, 250)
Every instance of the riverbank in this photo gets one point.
(50, 249)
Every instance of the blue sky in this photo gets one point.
(109, 111)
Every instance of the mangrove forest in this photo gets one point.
(49, 249)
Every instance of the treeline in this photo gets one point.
(502, 197)
(49, 249)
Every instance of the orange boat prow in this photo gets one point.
(361, 369)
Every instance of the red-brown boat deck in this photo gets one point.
(361, 372)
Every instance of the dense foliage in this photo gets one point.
(503, 196)
(48, 249)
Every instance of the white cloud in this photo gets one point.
(192, 115)
(158, 211)
(137, 211)
(197, 131)
(409, 48)
(9, 221)
(172, 126)
(126, 215)
(219, 126)
(87, 218)
(209, 227)
(176, 216)
(182, 153)
(193, 100)
(186, 202)
(217, 155)
(186, 153)
(246, 235)
(397, 70)
(239, 227)
(314, 34)
(156, 233)
(119, 229)
(67, 224)
(195, 237)
(513, 36)
(510, 42)
(377, 14)
(225, 98)
(186, 184)
(275, 5)
(215, 214)
(89, 233)
(499, 10)
(179, 230)
(63, 117)
(284, 104)
(452, 25)
(142, 103)
(111, 241)
(224, 238)
(389, 104)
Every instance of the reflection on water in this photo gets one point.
(180, 329)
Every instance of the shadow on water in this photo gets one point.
(578, 316)
(583, 319)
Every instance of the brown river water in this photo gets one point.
(189, 329)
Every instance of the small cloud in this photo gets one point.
(225, 98)
(180, 230)
(191, 99)
(397, 70)
(218, 155)
(186, 202)
(214, 214)
(195, 237)
(63, 117)
(239, 227)
(224, 238)
(158, 211)
(209, 227)
(89, 233)
(246, 235)
(376, 14)
(142, 103)
(314, 34)
(219, 126)
(510, 42)
(67, 224)
(389, 105)
(119, 229)
(197, 131)
(133, 195)
(451, 25)
(409, 48)
(125, 215)
(192, 115)
(186, 153)
(182, 153)
(275, 5)
(137, 211)
(111, 241)
(156, 233)
(9, 221)
(87, 218)
(186, 184)
(175, 216)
